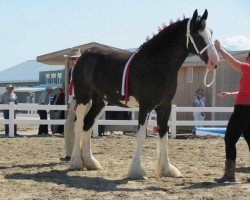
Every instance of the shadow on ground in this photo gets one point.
(98, 184)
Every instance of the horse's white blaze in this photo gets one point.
(165, 168)
(135, 169)
(213, 57)
(76, 161)
(132, 103)
(89, 161)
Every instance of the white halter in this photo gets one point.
(189, 36)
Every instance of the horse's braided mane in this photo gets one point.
(165, 34)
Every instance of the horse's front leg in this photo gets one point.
(91, 118)
(165, 168)
(135, 170)
(76, 161)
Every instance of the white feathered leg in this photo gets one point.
(135, 170)
(76, 161)
(165, 168)
(88, 159)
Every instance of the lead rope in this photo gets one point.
(205, 78)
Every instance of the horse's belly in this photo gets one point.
(132, 103)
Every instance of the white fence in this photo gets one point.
(173, 123)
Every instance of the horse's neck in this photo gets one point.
(170, 48)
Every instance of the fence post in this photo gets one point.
(173, 121)
(96, 130)
(11, 119)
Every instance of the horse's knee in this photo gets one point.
(88, 123)
(163, 131)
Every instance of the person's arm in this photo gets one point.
(230, 60)
(204, 101)
(193, 103)
(228, 94)
(16, 99)
(42, 98)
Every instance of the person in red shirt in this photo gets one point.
(239, 121)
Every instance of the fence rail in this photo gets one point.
(34, 119)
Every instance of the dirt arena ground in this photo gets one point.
(30, 169)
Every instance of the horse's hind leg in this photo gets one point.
(135, 170)
(76, 161)
(92, 116)
(165, 168)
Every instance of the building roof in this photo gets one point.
(28, 89)
(27, 71)
(57, 57)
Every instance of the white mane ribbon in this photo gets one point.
(125, 71)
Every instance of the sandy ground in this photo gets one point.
(30, 169)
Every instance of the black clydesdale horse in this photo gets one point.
(152, 85)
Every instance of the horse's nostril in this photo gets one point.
(215, 67)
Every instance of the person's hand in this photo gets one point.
(68, 106)
(224, 94)
(217, 44)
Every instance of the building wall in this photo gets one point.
(51, 77)
(227, 79)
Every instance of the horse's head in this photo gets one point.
(199, 40)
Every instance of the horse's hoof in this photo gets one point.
(170, 171)
(76, 164)
(136, 173)
(92, 164)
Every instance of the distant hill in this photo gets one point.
(26, 71)
(132, 49)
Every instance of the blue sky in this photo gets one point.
(30, 28)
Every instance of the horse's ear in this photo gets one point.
(204, 16)
(195, 15)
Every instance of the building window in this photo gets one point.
(59, 77)
(53, 78)
(47, 78)
(190, 75)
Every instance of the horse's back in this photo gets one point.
(112, 52)
(100, 69)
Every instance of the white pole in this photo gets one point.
(173, 121)
(95, 130)
(11, 119)
(213, 99)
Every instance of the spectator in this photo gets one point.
(44, 100)
(57, 114)
(199, 100)
(239, 121)
(69, 134)
(6, 98)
